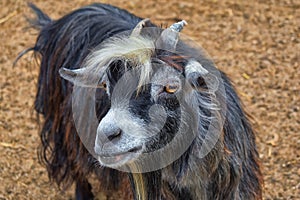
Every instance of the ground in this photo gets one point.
(257, 43)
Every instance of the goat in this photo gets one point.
(121, 96)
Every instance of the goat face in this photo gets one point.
(142, 119)
(154, 99)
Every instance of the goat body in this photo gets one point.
(96, 46)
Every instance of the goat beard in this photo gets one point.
(145, 185)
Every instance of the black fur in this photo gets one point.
(231, 168)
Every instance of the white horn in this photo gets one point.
(138, 28)
(169, 37)
(178, 26)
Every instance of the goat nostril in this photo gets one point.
(114, 135)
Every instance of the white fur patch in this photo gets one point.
(135, 50)
(194, 66)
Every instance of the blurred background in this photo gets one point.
(256, 42)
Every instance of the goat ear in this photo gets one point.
(81, 77)
(200, 78)
(74, 76)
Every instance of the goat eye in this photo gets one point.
(171, 89)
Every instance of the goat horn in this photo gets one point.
(178, 26)
(169, 37)
(138, 28)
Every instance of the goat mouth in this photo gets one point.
(116, 159)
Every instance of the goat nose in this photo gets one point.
(109, 132)
(108, 129)
(112, 134)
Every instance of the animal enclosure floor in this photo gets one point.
(257, 43)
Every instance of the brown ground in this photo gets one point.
(257, 43)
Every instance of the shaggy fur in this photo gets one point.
(230, 171)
